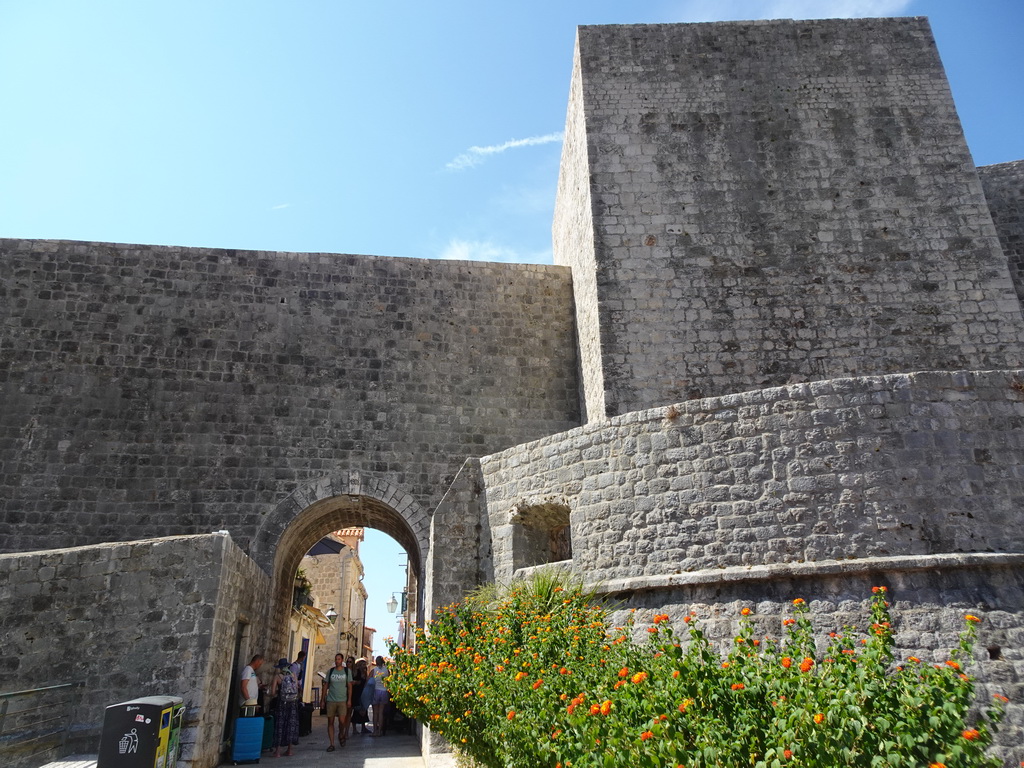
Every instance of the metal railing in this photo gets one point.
(35, 722)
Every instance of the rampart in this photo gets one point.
(152, 391)
(163, 615)
(753, 204)
(1004, 191)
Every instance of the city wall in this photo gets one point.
(753, 204)
(131, 619)
(152, 391)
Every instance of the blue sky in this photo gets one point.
(429, 130)
(349, 127)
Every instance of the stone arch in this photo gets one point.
(309, 512)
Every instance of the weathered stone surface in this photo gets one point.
(150, 391)
(158, 617)
(909, 464)
(1004, 191)
(753, 204)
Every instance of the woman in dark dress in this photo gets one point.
(358, 683)
(285, 689)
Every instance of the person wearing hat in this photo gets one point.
(285, 690)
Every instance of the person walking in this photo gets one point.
(380, 696)
(336, 698)
(359, 675)
(285, 690)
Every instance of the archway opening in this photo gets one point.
(338, 519)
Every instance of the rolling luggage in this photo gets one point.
(248, 740)
(305, 719)
(268, 732)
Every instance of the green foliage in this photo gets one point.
(536, 677)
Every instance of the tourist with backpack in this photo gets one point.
(336, 699)
(285, 690)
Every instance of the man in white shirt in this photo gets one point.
(250, 683)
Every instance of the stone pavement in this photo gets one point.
(362, 751)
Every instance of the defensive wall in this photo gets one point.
(169, 616)
(753, 204)
(783, 355)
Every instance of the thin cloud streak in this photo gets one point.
(476, 155)
(280, 207)
(480, 250)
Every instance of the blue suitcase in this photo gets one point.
(248, 741)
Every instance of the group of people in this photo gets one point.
(350, 690)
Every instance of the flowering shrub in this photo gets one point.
(537, 678)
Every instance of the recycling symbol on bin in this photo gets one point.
(129, 743)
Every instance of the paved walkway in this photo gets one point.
(362, 751)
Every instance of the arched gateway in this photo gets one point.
(311, 511)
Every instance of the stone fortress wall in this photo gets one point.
(800, 341)
(153, 391)
(786, 359)
(773, 202)
(1004, 190)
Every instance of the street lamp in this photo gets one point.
(331, 614)
(392, 604)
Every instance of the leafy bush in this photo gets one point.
(536, 677)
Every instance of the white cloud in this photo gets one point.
(718, 10)
(476, 155)
(481, 250)
(280, 207)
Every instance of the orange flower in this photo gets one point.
(789, 622)
(652, 630)
(538, 684)
(686, 619)
(819, 717)
(606, 707)
(595, 709)
(685, 705)
(876, 590)
(738, 686)
(511, 714)
(806, 664)
(745, 612)
(520, 676)
(624, 672)
(970, 734)
(787, 753)
(639, 677)
(786, 662)
(913, 659)
(675, 673)
(660, 618)
(972, 618)
(646, 735)
(799, 601)
(619, 684)
(937, 765)
(952, 664)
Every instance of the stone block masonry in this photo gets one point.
(157, 617)
(1004, 190)
(904, 465)
(754, 204)
(151, 391)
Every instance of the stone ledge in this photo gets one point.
(803, 570)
